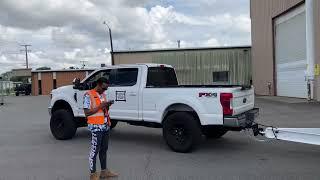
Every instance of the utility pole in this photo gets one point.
(178, 43)
(26, 50)
(111, 45)
(83, 64)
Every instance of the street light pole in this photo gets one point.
(111, 44)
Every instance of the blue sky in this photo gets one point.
(63, 33)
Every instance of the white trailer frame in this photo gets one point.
(300, 135)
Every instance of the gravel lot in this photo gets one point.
(29, 152)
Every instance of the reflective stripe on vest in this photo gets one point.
(98, 117)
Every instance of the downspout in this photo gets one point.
(310, 45)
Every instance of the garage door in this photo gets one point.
(290, 54)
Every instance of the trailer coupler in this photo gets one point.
(256, 130)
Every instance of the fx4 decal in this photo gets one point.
(203, 94)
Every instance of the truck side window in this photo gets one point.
(161, 77)
(124, 77)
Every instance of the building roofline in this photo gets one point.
(21, 69)
(181, 49)
(63, 70)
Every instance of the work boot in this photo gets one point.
(94, 176)
(106, 173)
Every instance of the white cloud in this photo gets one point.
(63, 33)
(212, 42)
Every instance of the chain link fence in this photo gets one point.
(6, 89)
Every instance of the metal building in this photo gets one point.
(286, 47)
(198, 66)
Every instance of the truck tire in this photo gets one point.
(182, 132)
(113, 124)
(17, 93)
(62, 125)
(214, 132)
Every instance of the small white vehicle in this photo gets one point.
(149, 95)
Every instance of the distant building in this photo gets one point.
(21, 72)
(18, 74)
(44, 81)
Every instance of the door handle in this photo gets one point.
(132, 94)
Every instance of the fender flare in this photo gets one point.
(195, 107)
(70, 102)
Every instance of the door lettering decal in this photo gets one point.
(120, 95)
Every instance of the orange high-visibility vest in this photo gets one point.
(98, 117)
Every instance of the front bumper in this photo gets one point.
(243, 120)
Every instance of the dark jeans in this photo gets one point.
(99, 145)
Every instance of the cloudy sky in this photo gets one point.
(63, 33)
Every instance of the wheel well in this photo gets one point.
(180, 108)
(61, 104)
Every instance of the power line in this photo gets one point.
(26, 50)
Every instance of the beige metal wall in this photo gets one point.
(262, 14)
(317, 60)
(132, 58)
(196, 66)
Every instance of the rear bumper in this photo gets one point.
(243, 120)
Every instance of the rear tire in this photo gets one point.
(17, 94)
(62, 125)
(214, 132)
(113, 124)
(182, 132)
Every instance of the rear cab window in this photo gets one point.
(161, 77)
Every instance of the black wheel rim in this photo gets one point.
(180, 134)
(58, 126)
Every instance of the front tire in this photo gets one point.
(62, 125)
(182, 132)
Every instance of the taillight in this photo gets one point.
(225, 100)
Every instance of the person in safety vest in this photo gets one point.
(96, 108)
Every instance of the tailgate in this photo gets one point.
(243, 100)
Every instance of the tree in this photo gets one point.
(44, 68)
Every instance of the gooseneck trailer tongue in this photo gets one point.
(300, 135)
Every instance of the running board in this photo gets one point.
(301, 135)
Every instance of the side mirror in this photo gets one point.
(76, 83)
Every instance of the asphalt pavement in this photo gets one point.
(28, 151)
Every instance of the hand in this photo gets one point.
(104, 105)
(111, 102)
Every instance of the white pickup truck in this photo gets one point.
(149, 95)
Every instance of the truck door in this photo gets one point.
(124, 90)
